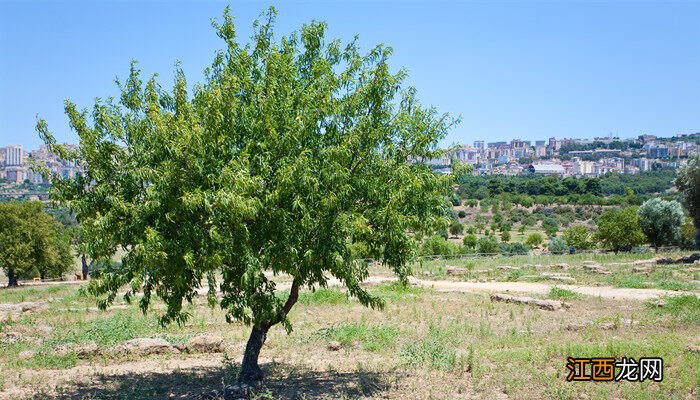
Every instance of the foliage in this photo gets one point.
(535, 239)
(456, 228)
(469, 241)
(528, 189)
(578, 237)
(688, 234)
(462, 214)
(510, 249)
(550, 226)
(487, 245)
(618, 229)
(33, 242)
(688, 183)
(438, 245)
(557, 246)
(289, 151)
(661, 221)
(505, 236)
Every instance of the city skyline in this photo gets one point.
(528, 70)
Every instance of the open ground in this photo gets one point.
(444, 336)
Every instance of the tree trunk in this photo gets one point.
(250, 370)
(85, 266)
(12, 278)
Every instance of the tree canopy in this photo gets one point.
(33, 242)
(618, 229)
(289, 152)
(688, 183)
(661, 221)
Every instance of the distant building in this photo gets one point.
(546, 169)
(15, 174)
(479, 144)
(657, 152)
(581, 168)
(644, 164)
(540, 151)
(647, 138)
(14, 156)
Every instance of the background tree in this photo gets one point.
(557, 246)
(619, 230)
(535, 239)
(487, 245)
(290, 151)
(688, 233)
(456, 228)
(550, 226)
(688, 183)
(661, 221)
(469, 241)
(438, 245)
(505, 236)
(577, 237)
(33, 242)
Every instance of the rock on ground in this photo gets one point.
(597, 269)
(81, 350)
(145, 346)
(15, 310)
(451, 270)
(206, 344)
(334, 346)
(549, 305)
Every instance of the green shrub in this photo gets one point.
(456, 228)
(557, 246)
(487, 245)
(578, 237)
(534, 239)
(469, 241)
(510, 249)
(438, 245)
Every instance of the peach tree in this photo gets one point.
(289, 152)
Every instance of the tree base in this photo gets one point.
(251, 375)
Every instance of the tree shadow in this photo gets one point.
(283, 381)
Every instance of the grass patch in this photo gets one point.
(395, 291)
(672, 284)
(22, 294)
(48, 359)
(372, 337)
(685, 308)
(323, 296)
(630, 281)
(116, 328)
(438, 350)
(562, 294)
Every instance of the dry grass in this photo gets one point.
(424, 344)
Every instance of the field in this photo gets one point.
(443, 337)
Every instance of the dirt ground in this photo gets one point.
(442, 337)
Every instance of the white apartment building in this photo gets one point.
(14, 156)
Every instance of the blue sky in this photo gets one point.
(511, 69)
